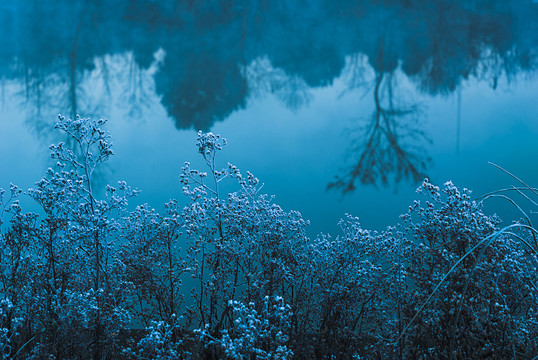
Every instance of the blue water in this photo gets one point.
(302, 92)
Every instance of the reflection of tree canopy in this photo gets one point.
(438, 43)
(199, 90)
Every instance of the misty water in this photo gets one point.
(337, 107)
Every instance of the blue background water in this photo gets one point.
(302, 92)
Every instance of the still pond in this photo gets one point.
(336, 106)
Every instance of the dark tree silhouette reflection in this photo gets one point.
(201, 90)
(209, 43)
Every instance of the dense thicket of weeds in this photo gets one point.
(80, 276)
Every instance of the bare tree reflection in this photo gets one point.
(221, 53)
(65, 86)
(55, 67)
(389, 147)
(208, 43)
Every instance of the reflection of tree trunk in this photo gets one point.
(101, 59)
(458, 126)
(403, 159)
(362, 170)
(73, 74)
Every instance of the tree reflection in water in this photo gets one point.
(389, 147)
(218, 54)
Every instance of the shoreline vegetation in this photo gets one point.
(233, 276)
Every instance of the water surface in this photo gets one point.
(338, 107)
